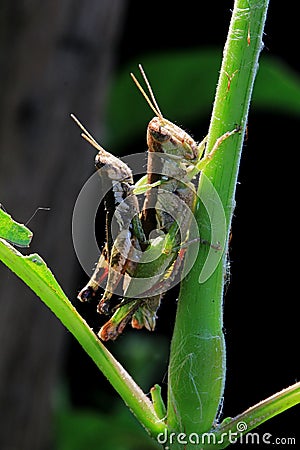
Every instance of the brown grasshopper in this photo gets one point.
(174, 162)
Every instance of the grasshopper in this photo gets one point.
(114, 260)
(174, 163)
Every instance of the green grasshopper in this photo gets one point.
(174, 162)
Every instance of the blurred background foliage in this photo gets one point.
(181, 51)
(273, 77)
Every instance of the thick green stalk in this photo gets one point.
(197, 360)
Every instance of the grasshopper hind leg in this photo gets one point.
(116, 324)
(100, 274)
(141, 312)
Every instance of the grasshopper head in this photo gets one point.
(166, 137)
(162, 135)
(115, 168)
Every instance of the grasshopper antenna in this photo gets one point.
(150, 100)
(86, 135)
(39, 208)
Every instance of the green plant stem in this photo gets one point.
(257, 414)
(34, 272)
(197, 359)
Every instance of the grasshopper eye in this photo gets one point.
(158, 132)
(160, 135)
(98, 163)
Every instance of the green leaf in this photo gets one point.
(14, 232)
(277, 87)
(177, 84)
